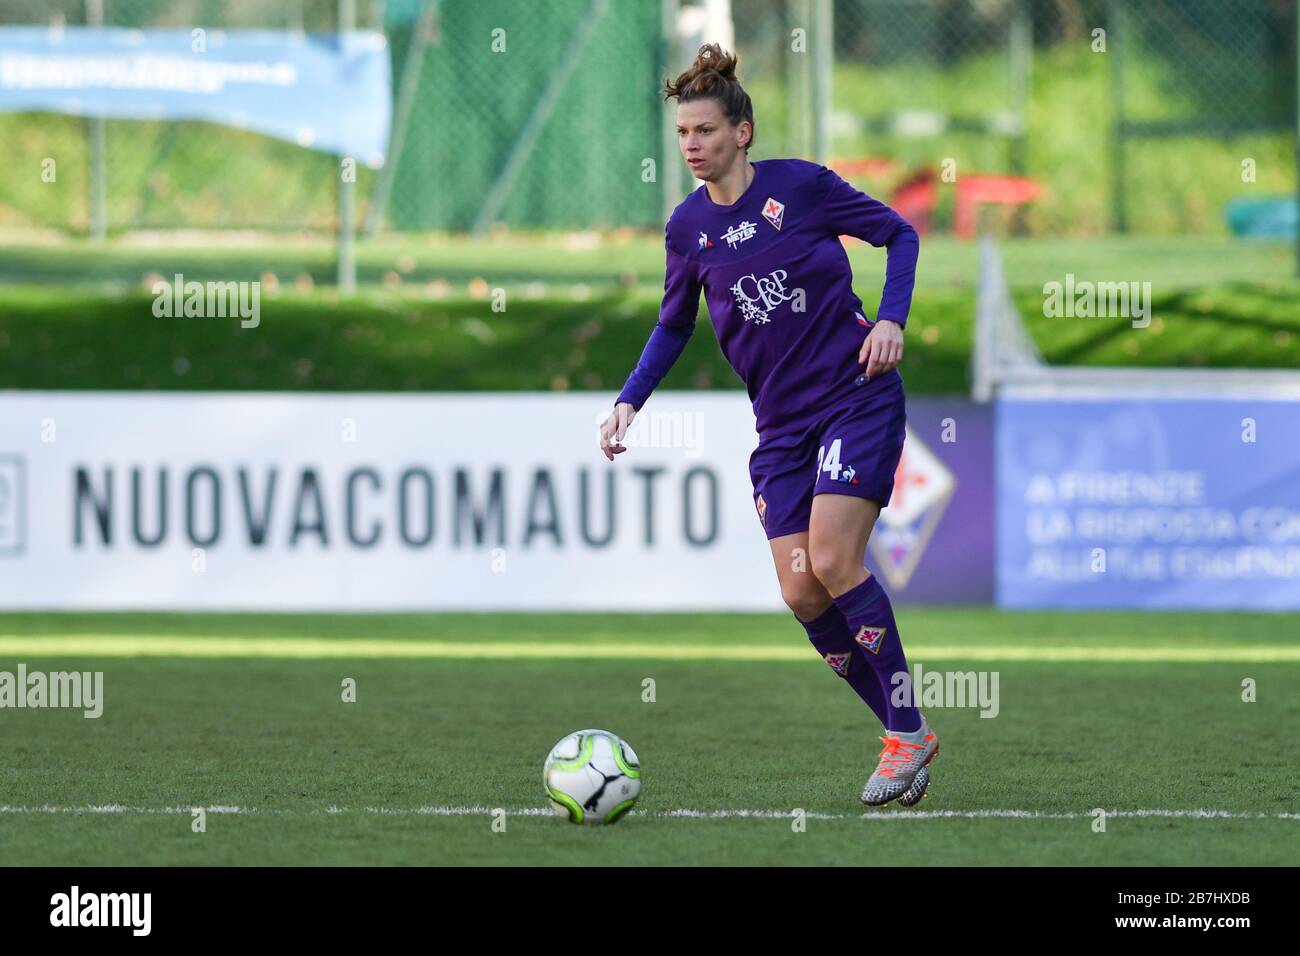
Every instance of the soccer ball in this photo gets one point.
(592, 776)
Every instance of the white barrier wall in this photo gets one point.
(376, 502)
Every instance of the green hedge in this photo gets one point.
(68, 339)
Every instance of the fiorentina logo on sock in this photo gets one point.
(840, 662)
(870, 637)
(761, 505)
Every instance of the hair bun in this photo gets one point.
(713, 76)
(711, 58)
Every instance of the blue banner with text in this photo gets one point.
(1160, 504)
(327, 92)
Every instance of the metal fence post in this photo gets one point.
(1021, 43)
(347, 271)
(824, 59)
(422, 31)
(1115, 48)
(670, 170)
(96, 143)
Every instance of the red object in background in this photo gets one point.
(1004, 190)
(916, 198)
(865, 166)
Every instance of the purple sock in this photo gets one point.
(830, 635)
(870, 617)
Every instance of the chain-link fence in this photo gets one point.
(776, 67)
(169, 174)
(1120, 113)
(531, 114)
(1204, 108)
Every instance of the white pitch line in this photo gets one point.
(119, 808)
(684, 813)
(311, 648)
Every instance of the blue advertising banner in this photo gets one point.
(325, 92)
(1160, 504)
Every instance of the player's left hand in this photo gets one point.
(882, 349)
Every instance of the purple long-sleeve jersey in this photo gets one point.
(779, 290)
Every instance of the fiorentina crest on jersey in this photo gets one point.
(839, 662)
(761, 505)
(774, 212)
(870, 637)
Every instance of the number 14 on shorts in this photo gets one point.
(829, 460)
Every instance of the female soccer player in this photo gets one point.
(762, 241)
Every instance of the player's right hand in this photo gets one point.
(614, 429)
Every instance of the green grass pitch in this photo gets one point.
(1140, 714)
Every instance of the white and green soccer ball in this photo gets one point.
(592, 776)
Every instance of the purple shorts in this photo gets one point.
(853, 449)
